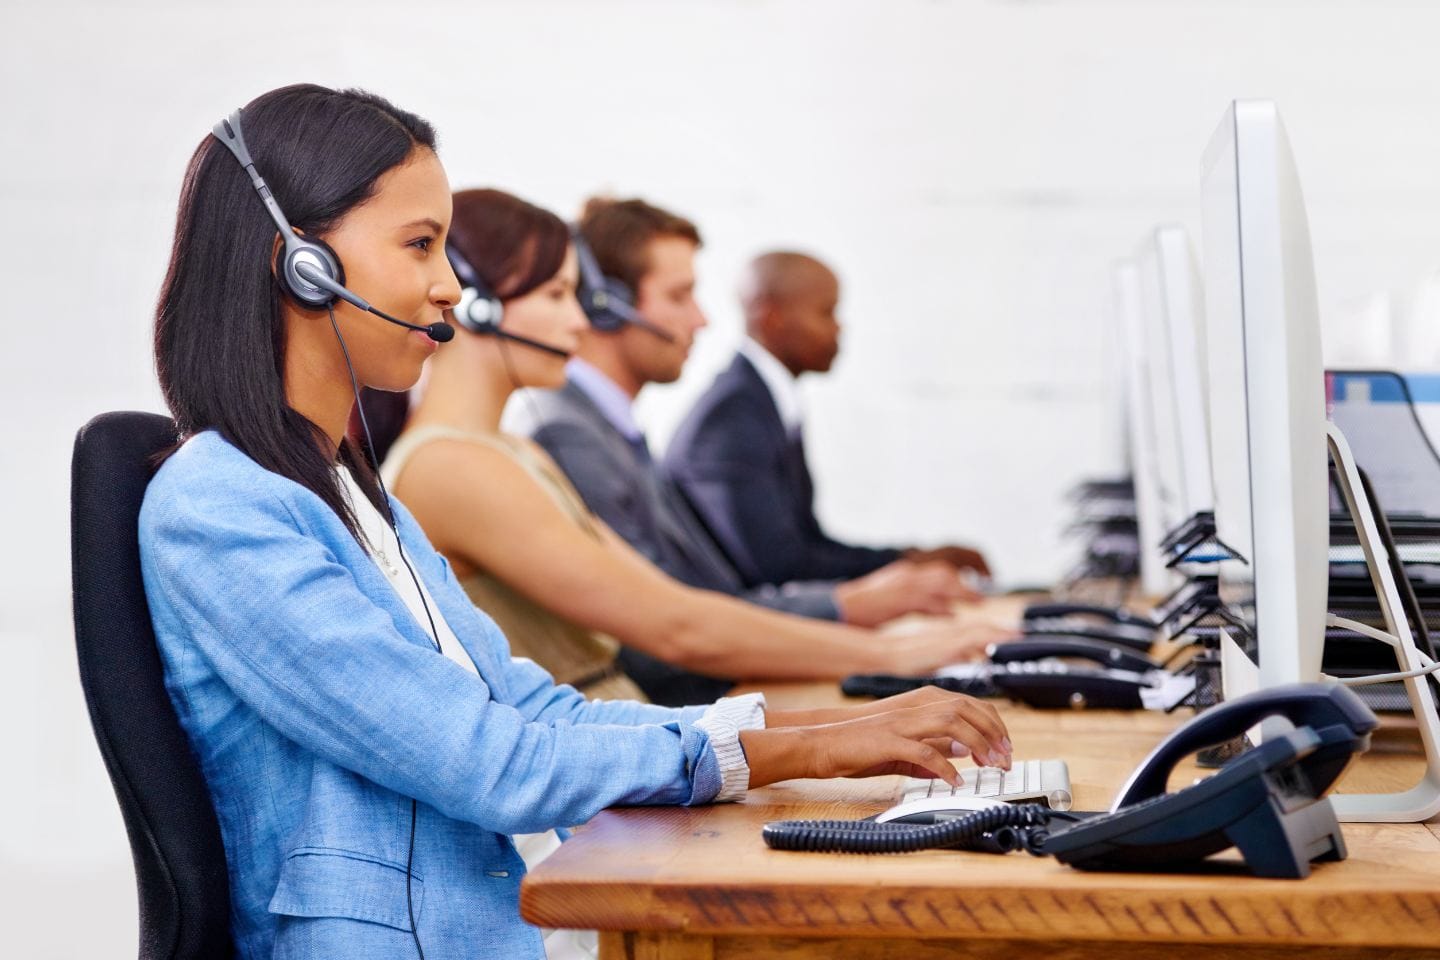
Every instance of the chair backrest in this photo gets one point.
(184, 892)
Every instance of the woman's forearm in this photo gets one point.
(715, 634)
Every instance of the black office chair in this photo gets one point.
(184, 891)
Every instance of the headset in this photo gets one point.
(608, 302)
(308, 270)
(480, 310)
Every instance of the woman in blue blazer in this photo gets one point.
(367, 739)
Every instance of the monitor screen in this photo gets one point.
(1390, 420)
(1176, 306)
(1266, 392)
(1150, 513)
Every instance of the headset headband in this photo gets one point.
(227, 131)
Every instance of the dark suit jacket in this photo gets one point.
(749, 482)
(625, 489)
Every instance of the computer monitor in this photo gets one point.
(1390, 418)
(1155, 579)
(1174, 304)
(1155, 351)
(1266, 393)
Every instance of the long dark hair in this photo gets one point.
(514, 245)
(219, 335)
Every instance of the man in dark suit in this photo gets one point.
(739, 456)
(647, 257)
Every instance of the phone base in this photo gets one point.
(1263, 802)
(1309, 833)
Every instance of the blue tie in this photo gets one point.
(642, 449)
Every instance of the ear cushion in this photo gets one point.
(609, 306)
(316, 255)
(478, 313)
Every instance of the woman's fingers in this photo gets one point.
(919, 733)
(948, 747)
(983, 735)
(920, 754)
(933, 648)
(936, 706)
(985, 719)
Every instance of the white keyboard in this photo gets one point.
(1030, 781)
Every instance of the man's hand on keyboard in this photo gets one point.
(915, 736)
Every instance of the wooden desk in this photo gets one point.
(668, 883)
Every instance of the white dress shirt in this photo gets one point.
(781, 383)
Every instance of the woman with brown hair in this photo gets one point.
(520, 539)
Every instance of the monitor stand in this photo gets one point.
(1422, 801)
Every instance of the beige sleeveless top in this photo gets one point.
(582, 658)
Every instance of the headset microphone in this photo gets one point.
(533, 344)
(439, 332)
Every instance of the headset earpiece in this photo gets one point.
(608, 303)
(315, 255)
(308, 270)
(479, 310)
(478, 313)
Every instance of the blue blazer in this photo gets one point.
(318, 707)
(621, 486)
(749, 482)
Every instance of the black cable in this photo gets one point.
(409, 874)
(515, 385)
(434, 633)
(1408, 600)
(994, 830)
(384, 494)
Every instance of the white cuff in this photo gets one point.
(722, 722)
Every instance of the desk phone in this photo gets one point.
(1269, 801)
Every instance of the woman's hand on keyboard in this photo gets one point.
(907, 738)
(926, 650)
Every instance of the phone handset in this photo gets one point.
(1036, 671)
(1335, 713)
(1118, 615)
(1268, 801)
(1098, 652)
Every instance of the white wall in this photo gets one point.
(969, 167)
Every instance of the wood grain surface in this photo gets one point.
(699, 882)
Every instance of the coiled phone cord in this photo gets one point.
(993, 830)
